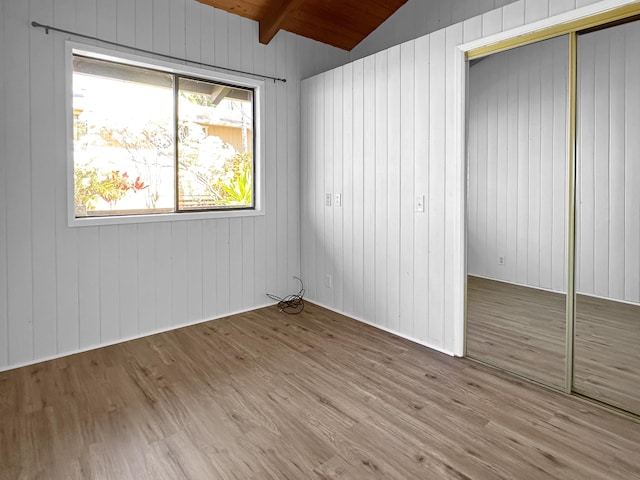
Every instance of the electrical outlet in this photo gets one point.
(420, 203)
(327, 199)
(337, 200)
(501, 260)
(328, 281)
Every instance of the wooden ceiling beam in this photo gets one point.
(341, 23)
(276, 18)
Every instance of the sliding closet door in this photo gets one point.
(607, 325)
(516, 204)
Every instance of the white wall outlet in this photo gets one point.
(327, 199)
(420, 203)
(501, 260)
(328, 281)
(337, 200)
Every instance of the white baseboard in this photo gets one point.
(385, 329)
(127, 339)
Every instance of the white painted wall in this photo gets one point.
(375, 131)
(608, 173)
(401, 113)
(66, 289)
(417, 18)
(517, 165)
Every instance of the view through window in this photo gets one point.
(149, 141)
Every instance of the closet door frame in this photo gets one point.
(572, 28)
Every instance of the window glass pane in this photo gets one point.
(123, 139)
(215, 145)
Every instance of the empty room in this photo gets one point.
(298, 239)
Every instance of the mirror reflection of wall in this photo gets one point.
(607, 325)
(516, 204)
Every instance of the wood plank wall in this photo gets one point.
(63, 290)
(67, 289)
(608, 174)
(517, 165)
(417, 18)
(370, 129)
(359, 244)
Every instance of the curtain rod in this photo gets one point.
(89, 37)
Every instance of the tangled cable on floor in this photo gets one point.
(291, 304)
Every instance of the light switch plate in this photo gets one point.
(327, 199)
(420, 203)
(337, 200)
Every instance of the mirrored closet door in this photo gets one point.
(516, 210)
(553, 257)
(607, 318)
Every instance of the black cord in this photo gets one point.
(291, 304)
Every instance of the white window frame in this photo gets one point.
(74, 48)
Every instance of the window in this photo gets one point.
(152, 140)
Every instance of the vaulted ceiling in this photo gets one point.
(341, 23)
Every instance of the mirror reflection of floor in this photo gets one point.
(522, 330)
(607, 351)
(517, 328)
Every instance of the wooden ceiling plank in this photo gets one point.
(273, 21)
(341, 23)
(325, 32)
(252, 9)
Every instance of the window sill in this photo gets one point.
(161, 217)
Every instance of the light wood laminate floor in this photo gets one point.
(264, 395)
